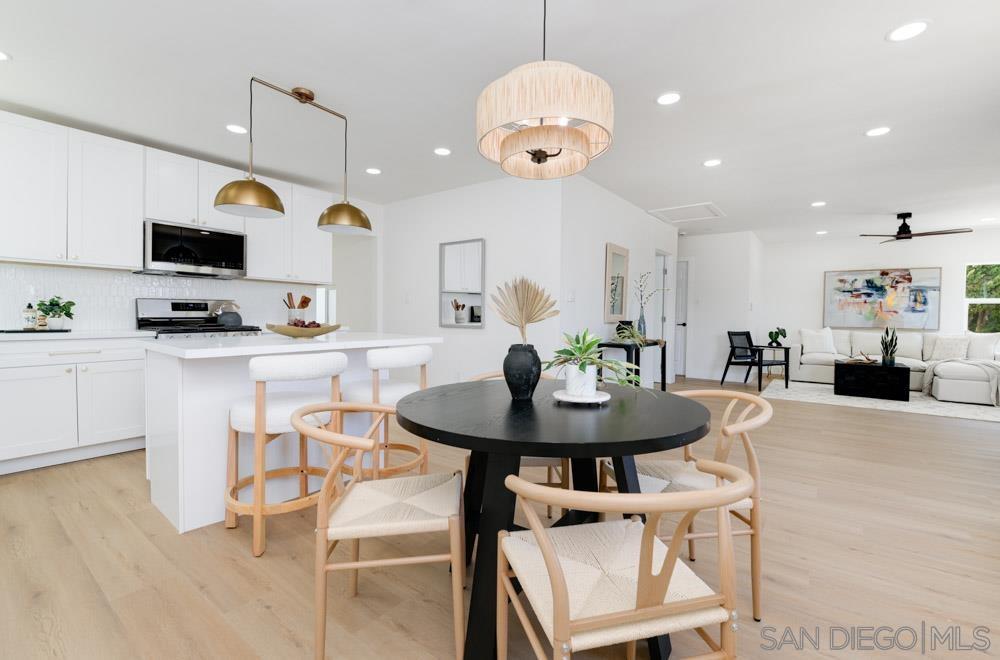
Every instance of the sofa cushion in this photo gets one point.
(910, 345)
(822, 359)
(982, 345)
(842, 341)
(959, 371)
(949, 348)
(867, 342)
(913, 363)
(818, 341)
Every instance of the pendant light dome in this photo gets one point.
(545, 119)
(250, 198)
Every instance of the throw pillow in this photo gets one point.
(950, 348)
(982, 345)
(818, 341)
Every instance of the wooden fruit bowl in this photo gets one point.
(302, 333)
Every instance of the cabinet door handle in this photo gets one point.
(76, 256)
(69, 370)
(61, 256)
(83, 368)
(93, 350)
(194, 221)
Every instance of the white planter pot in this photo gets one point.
(581, 383)
(56, 322)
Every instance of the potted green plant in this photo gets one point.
(776, 336)
(889, 344)
(521, 303)
(581, 358)
(56, 310)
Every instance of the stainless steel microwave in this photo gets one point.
(193, 251)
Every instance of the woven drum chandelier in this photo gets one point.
(546, 119)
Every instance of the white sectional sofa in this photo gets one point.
(962, 383)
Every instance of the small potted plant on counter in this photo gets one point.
(889, 344)
(56, 311)
(521, 303)
(581, 358)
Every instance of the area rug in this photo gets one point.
(919, 403)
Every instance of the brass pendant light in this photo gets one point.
(249, 197)
(545, 119)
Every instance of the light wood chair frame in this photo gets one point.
(555, 475)
(732, 485)
(729, 430)
(332, 493)
(258, 508)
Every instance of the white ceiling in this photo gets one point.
(781, 90)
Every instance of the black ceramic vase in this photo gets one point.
(521, 370)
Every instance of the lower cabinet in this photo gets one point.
(39, 405)
(111, 404)
(53, 407)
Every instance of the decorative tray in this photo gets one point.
(302, 333)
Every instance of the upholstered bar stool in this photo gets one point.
(388, 393)
(268, 416)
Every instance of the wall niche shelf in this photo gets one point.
(462, 278)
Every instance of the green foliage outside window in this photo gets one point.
(982, 281)
(984, 317)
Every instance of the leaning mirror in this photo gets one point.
(461, 284)
(615, 282)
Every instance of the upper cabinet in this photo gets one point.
(269, 241)
(312, 248)
(32, 189)
(171, 187)
(211, 178)
(105, 201)
(462, 267)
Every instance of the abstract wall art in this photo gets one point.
(905, 298)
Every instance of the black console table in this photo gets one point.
(633, 351)
(871, 380)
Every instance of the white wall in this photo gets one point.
(723, 278)
(357, 273)
(519, 221)
(592, 217)
(737, 282)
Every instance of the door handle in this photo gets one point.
(55, 353)
(683, 325)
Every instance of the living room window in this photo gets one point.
(982, 297)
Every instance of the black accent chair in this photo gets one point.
(744, 353)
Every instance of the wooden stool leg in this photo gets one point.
(320, 596)
(259, 534)
(755, 564)
(352, 580)
(455, 527)
(232, 474)
(502, 601)
(630, 650)
(564, 473)
(691, 541)
(426, 450)
(549, 479)
(303, 465)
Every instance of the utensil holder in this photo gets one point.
(296, 315)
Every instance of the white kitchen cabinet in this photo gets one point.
(39, 410)
(110, 401)
(32, 189)
(312, 248)
(269, 241)
(171, 187)
(104, 224)
(462, 267)
(452, 268)
(211, 178)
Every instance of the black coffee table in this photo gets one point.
(873, 381)
(480, 416)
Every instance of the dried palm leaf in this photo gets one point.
(521, 303)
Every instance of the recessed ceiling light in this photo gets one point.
(236, 128)
(821, 232)
(712, 162)
(668, 99)
(442, 151)
(818, 204)
(4, 56)
(373, 170)
(908, 31)
(875, 132)
(987, 220)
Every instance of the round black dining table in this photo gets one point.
(481, 417)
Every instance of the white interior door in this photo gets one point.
(657, 329)
(680, 335)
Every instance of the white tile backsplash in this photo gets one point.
(105, 299)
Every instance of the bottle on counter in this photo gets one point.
(29, 317)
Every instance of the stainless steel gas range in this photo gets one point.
(188, 318)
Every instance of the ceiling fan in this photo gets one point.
(905, 233)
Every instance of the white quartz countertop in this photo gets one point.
(273, 344)
(44, 335)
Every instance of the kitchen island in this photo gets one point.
(190, 384)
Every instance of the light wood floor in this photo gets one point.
(872, 518)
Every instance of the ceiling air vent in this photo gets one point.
(689, 213)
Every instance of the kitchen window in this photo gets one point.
(982, 297)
